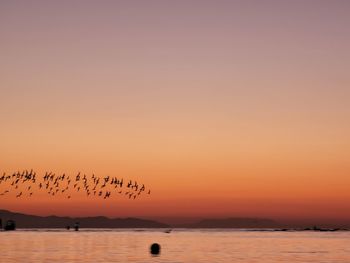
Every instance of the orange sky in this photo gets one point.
(222, 108)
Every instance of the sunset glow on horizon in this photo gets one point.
(222, 108)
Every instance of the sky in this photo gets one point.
(222, 108)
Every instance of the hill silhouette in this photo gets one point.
(32, 221)
(235, 222)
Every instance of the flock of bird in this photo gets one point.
(27, 183)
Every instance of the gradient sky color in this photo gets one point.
(224, 108)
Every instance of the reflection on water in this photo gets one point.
(178, 246)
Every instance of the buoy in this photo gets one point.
(155, 249)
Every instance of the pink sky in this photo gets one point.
(225, 108)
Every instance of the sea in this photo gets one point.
(178, 245)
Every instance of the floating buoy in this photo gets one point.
(155, 249)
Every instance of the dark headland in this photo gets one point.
(32, 221)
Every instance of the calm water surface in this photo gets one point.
(179, 246)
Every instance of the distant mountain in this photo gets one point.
(235, 223)
(31, 221)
